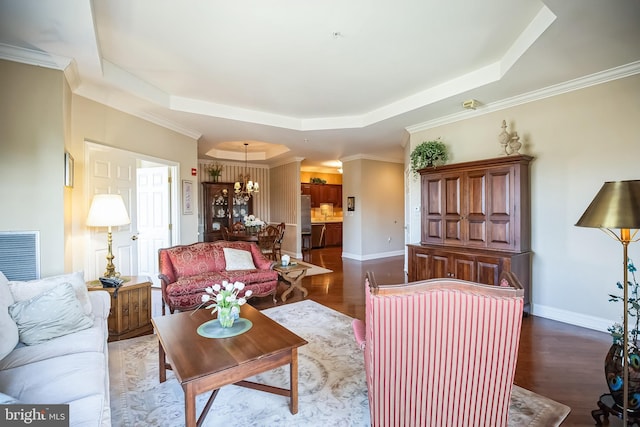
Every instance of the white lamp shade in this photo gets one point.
(107, 210)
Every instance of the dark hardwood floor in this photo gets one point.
(557, 360)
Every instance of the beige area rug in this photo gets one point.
(332, 387)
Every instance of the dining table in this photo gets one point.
(244, 236)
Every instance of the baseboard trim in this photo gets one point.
(359, 257)
(572, 318)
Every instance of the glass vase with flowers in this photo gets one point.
(224, 300)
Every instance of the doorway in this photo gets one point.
(147, 188)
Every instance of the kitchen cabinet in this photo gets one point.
(333, 234)
(318, 235)
(475, 222)
(323, 193)
(221, 208)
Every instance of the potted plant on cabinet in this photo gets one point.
(214, 170)
(428, 154)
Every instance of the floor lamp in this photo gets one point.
(617, 207)
(108, 210)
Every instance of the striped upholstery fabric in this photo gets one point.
(441, 352)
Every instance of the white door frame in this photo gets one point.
(174, 196)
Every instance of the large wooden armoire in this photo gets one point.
(475, 222)
(221, 208)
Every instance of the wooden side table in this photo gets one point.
(130, 313)
(292, 274)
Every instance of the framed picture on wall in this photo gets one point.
(187, 197)
(351, 204)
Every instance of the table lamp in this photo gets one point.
(108, 210)
(617, 207)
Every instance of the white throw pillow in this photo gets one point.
(8, 328)
(52, 314)
(237, 259)
(22, 291)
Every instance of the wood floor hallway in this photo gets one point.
(557, 360)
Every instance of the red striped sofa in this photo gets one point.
(186, 270)
(440, 352)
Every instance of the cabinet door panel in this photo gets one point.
(439, 266)
(475, 216)
(145, 306)
(420, 266)
(453, 233)
(124, 304)
(432, 209)
(453, 209)
(464, 267)
(501, 233)
(488, 270)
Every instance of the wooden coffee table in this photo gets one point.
(203, 364)
(292, 274)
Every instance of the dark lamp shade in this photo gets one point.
(617, 205)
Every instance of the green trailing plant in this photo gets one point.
(427, 154)
(633, 308)
(318, 181)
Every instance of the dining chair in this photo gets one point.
(277, 247)
(237, 226)
(267, 239)
(225, 233)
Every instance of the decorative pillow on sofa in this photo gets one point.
(52, 314)
(8, 328)
(237, 259)
(26, 290)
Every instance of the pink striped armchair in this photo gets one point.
(440, 352)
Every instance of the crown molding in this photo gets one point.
(369, 157)
(550, 91)
(33, 57)
(287, 161)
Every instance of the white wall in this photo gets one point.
(376, 228)
(32, 144)
(40, 120)
(579, 140)
(98, 123)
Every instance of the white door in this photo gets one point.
(153, 218)
(407, 216)
(112, 171)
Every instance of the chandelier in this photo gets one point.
(244, 188)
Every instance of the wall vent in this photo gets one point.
(20, 254)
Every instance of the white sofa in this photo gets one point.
(69, 369)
